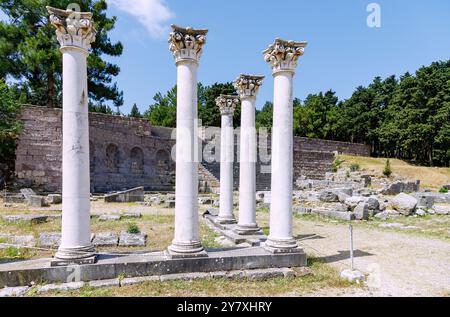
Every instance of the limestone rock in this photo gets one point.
(353, 201)
(37, 201)
(50, 239)
(169, 204)
(14, 291)
(131, 215)
(26, 218)
(342, 197)
(401, 187)
(404, 204)
(442, 209)
(132, 239)
(352, 276)
(107, 217)
(421, 212)
(205, 201)
(105, 239)
(361, 211)
(328, 196)
(373, 203)
(131, 195)
(54, 199)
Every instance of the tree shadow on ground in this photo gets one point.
(311, 236)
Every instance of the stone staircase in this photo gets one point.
(312, 164)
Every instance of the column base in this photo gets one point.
(248, 230)
(282, 246)
(226, 221)
(78, 256)
(180, 250)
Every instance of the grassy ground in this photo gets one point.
(158, 227)
(434, 226)
(324, 276)
(430, 177)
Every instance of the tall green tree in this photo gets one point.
(135, 113)
(29, 52)
(10, 127)
(208, 111)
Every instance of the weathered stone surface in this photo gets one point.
(60, 287)
(156, 201)
(342, 197)
(169, 204)
(346, 190)
(131, 215)
(37, 201)
(334, 214)
(353, 201)
(328, 196)
(404, 203)
(131, 195)
(50, 239)
(105, 239)
(301, 210)
(132, 239)
(352, 276)
(54, 199)
(105, 283)
(442, 209)
(339, 207)
(25, 218)
(14, 291)
(27, 240)
(205, 201)
(361, 211)
(13, 199)
(184, 277)
(107, 217)
(373, 203)
(401, 187)
(27, 192)
(387, 214)
(421, 212)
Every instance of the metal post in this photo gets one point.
(351, 245)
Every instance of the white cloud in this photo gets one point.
(153, 14)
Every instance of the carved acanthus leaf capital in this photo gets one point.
(283, 55)
(187, 43)
(248, 85)
(227, 104)
(73, 28)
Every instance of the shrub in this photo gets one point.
(133, 228)
(355, 167)
(337, 164)
(443, 190)
(387, 171)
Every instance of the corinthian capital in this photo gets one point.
(186, 43)
(283, 55)
(248, 85)
(227, 104)
(73, 28)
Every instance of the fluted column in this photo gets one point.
(75, 33)
(186, 45)
(227, 105)
(282, 56)
(247, 87)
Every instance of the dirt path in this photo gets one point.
(397, 264)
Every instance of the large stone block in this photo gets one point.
(361, 211)
(404, 204)
(131, 195)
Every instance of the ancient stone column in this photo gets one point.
(186, 45)
(75, 33)
(247, 87)
(282, 56)
(227, 105)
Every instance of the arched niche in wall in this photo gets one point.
(112, 158)
(137, 160)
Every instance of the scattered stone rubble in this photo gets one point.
(350, 195)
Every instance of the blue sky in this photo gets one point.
(343, 52)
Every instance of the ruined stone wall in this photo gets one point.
(123, 152)
(127, 152)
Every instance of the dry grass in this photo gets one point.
(159, 228)
(430, 177)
